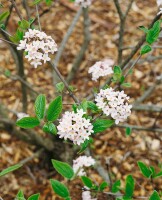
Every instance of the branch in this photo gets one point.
(16, 8)
(65, 83)
(25, 5)
(139, 44)
(148, 92)
(64, 41)
(140, 128)
(18, 57)
(122, 17)
(149, 108)
(84, 47)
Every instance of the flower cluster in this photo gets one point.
(38, 46)
(114, 103)
(86, 195)
(75, 127)
(83, 3)
(160, 12)
(159, 2)
(101, 68)
(80, 162)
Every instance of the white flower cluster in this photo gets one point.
(21, 115)
(101, 68)
(38, 46)
(159, 2)
(160, 12)
(114, 103)
(86, 195)
(83, 3)
(80, 163)
(75, 127)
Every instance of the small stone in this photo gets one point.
(155, 145)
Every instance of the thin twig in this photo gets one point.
(35, 155)
(2, 30)
(139, 44)
(84, 47)
(122, 17)
(148, 92)
(16, 8)
(131, 67)
(64, 41)
(140, 128)
(147, 107)
(38, 17)
(8, 41)
(10, 11)
(25, 4)
(65, 83)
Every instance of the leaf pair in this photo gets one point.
(66, 171)
(129, 187)
(151, 36)
(52, 114)
(20, 196)
(148, 172)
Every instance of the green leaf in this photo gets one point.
(144, 169)
(20, 195)
(92, 106)
(103, 186)
(40, 104)
(14, 38)
(128, 131)
(59, 188)
(145, 49)
(154, 196)
(158, 174)
(24, 24)
(117, 70)
(102, 124)
(116, 186)
(152, 169)
(48, 2)
(129, 188)
(143, 29)
(49, 127)
(153, 33)
(28, 122)
(63, 168)
(122, 79)
(68, 198)
(54, 109)
(7, 73)
(10, 169)
(34, 197)
(4, 15)
(126, 84)
(36, 2)
(60, 87)
(87, 181)
(85, 145)
(84, 105)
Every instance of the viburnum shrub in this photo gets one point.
(86, 118)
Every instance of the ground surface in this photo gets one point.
(124, 151)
